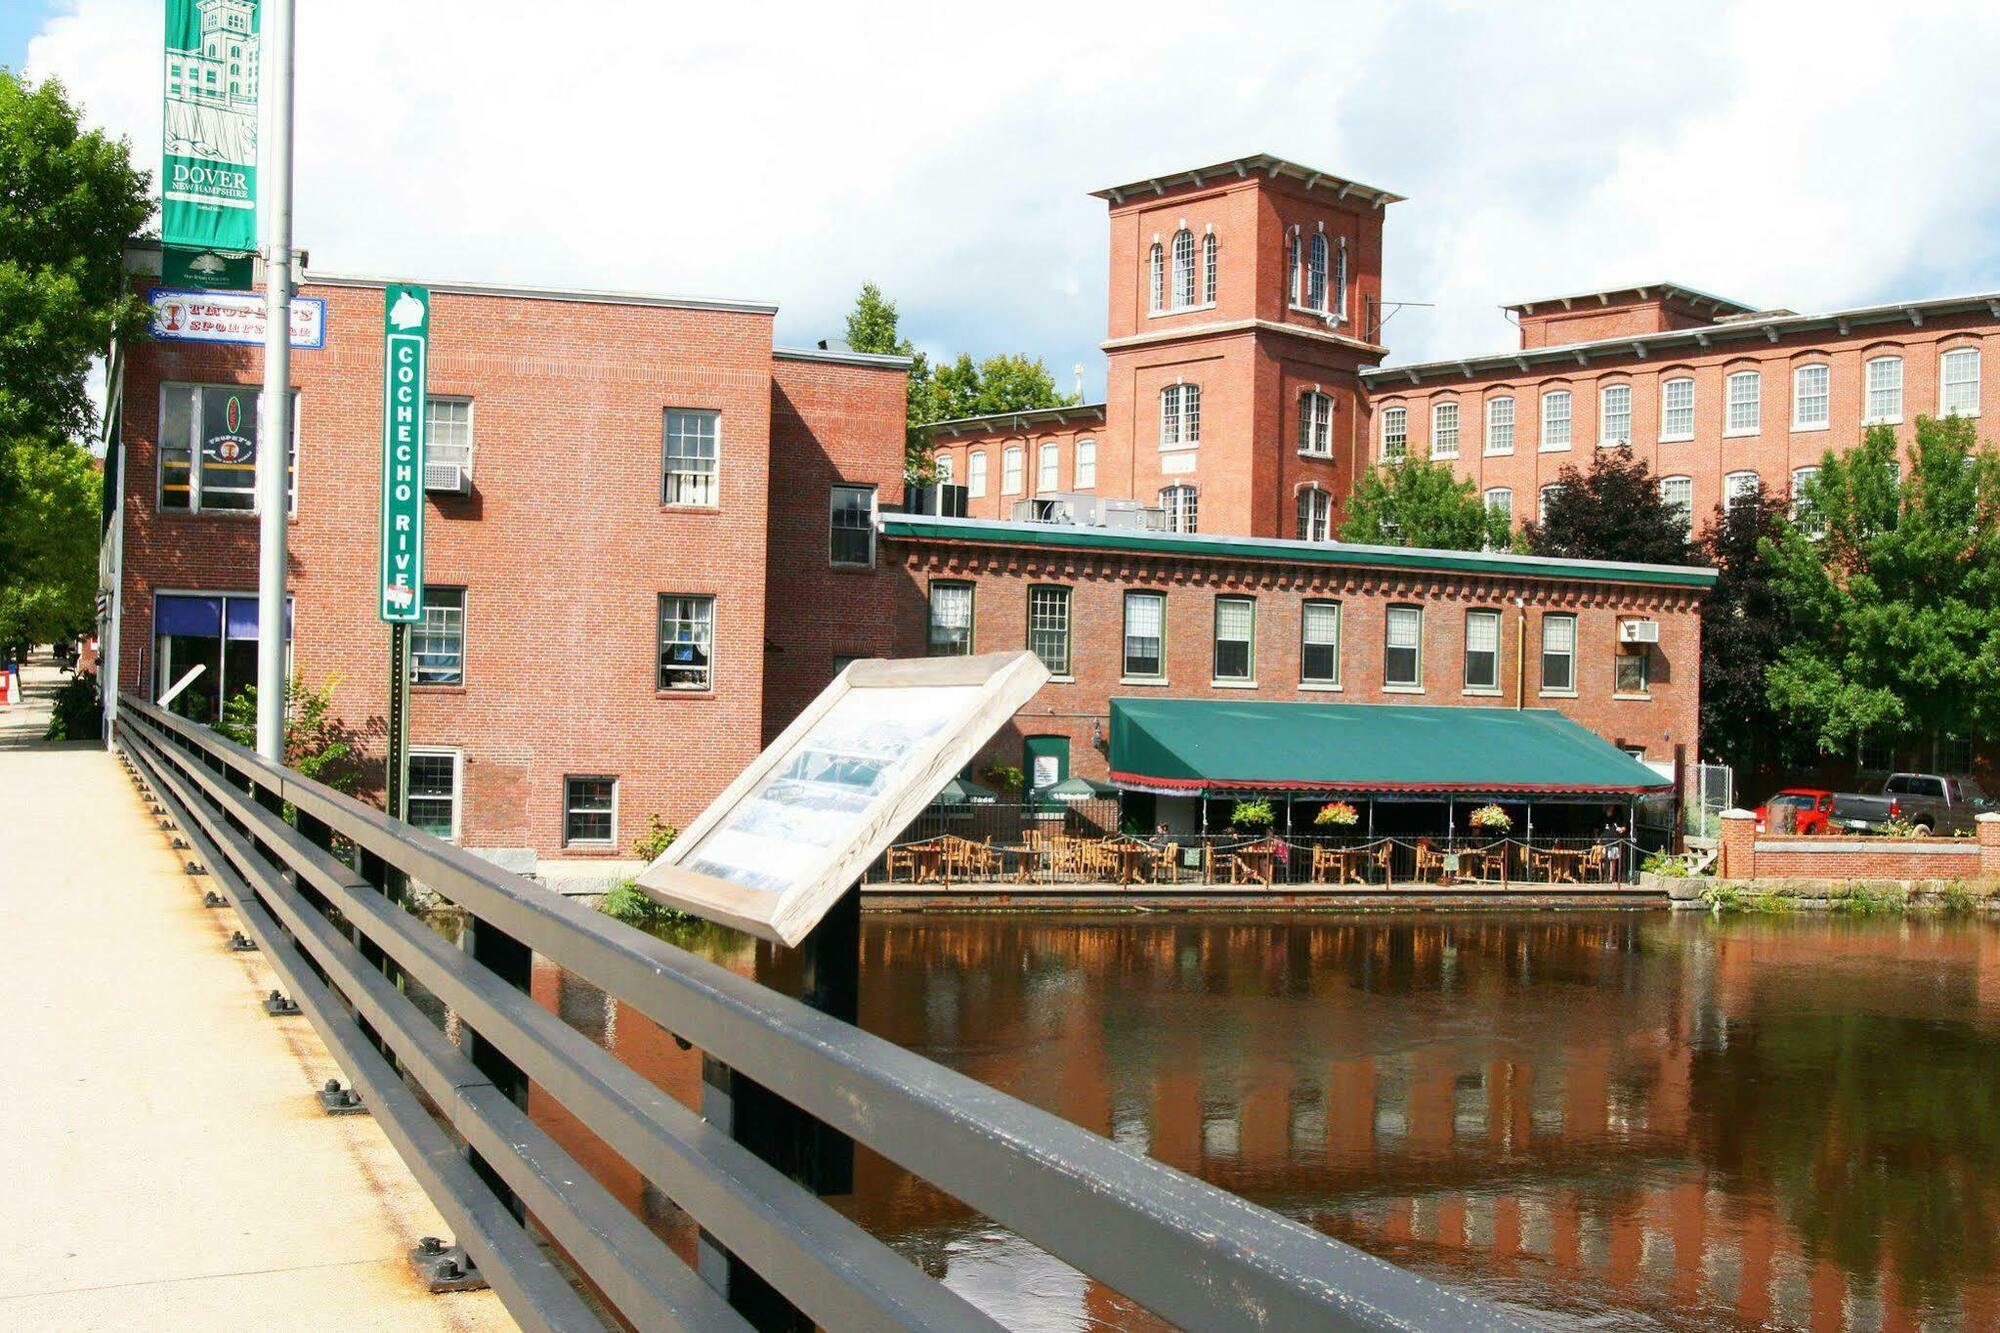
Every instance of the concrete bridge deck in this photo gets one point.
(163, 1163)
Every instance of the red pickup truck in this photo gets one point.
(1810, 809)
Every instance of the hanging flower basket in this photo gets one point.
(1491, 819)
(1338, 814)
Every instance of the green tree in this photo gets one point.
(1745, 626)
(1894, 585)
(317, 742)
(1612, 512)
(52, 521)
(1420, 503)
(957, 388)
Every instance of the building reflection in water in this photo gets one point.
(1622, 1119)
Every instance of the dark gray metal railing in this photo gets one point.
(349, 954)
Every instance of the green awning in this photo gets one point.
(1187, 746)
(1078, 789)
(964, 791)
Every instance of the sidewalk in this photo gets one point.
(166, 1166)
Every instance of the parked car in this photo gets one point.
(1810, 807)
(1929, 802)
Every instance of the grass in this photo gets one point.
(1728, 900)
(631, 904)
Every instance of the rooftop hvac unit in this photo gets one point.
(1638, 631)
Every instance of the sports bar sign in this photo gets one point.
(406, 331)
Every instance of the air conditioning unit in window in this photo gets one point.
(448, 469)
(1638, 631)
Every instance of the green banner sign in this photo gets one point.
(208, 171)
(406, 334)
(209, 270)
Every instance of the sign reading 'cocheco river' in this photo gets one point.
(406, 332)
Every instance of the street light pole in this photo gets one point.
(274, 453)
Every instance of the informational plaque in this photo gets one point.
(807, 818)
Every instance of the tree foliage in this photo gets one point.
(1745, 627)
(1612, 512)
(1894, 584)
(1421, 503)
(317, 742)
(50, 583)
(958, 388)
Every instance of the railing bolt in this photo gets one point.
(194, 868)
(278, 1005)
(213, 899)
(336, 1100)
(443, 1268)
(430, 1245)
(180, 844)
(241, 943)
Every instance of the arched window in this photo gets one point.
(1738, 487)
(1500, 501)
(1340, 281)
(1677, 494)
(1316, 273)
(1444, 428)
(1743, 403)
(1802, 479)
(1048, 469)
(1614, 414)
(1885, 391)
(1958, 382)
(1183, 268)
(1548, 493)
(1811, 397)
(1315, 510)
(1208, 245)
(1555, 419)
(1677, 409)
(1086, 465)
(1295, 267)
(1010, 470)
(944, 469)
(1395, 434)
(1180, 507)
(1180, 415)
(1315, 424)
(975, 475)
(1159, 262)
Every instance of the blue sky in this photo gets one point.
(20, 20)
(794, 152)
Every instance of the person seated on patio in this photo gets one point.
(1161, 835)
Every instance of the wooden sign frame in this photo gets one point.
(787, 909)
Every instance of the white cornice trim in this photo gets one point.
(1187, 331)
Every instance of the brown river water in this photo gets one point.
(1618, 1120)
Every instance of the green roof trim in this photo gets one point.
(926, 527)
(1197, 745)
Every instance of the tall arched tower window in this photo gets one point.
(1183, 268)
(1340, 281)
(1316, 268)
(1295, 266)
(1159, 262)
(1208, 269)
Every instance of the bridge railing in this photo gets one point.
(310, 873)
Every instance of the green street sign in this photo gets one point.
(209, 270)
(208, 147)
(406, 334)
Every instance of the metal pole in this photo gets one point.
(274, 449)
(396, 763)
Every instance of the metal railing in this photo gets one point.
(310, 872)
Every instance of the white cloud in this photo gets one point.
(1794, 157)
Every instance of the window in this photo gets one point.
(1737, 487)
(1677, 494)
(1180, 416)
(1542, 498)
(1145, 635)
(1180, 506)
(975, 475)
(851, 525)
(1631, 669)
(1235, 638)
(1677, 410)
(1395, 434)
(950, 633)
(1482, 652)
(944, 469)
(1183, 268)
(1444, 429)
(437, 642)
(692, 447)
(1802, 480)
(1086, 464)
(217, 632)
(1315, 424)
(1885, 391)
(1295, 265)
(431, 794)
(1316, 267)
(1159, 284)
(1743, 403)
(1402, 648)
(1958, 382)
(1315, 509)
(1614, 414)
(1048, 628)
(1555, 419)
(448, 432)
(1319, 643)
(1811, 396)
(1048, 469)
(1558, 653)
(590, 812)
(1500, 425)
(687, 643)
(1208, 269)
(1500, 500)
(1010, 470)
(1339, 310)
(208, 449)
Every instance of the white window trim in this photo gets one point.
(1458, 428)
(1902, 390)
(591, 844)
(1678, 437)
(1336, 682)
(1606, 441)
(1978, 381)
(1801, 427)
(1730, 432)
(975, 475)
(464, 609)
(1215, 641)
(1382, 441)
(1486, 424)
(1048, 459)
(874, 502)
(666, 471)
(1542, 657)
(1465, 664)
(714, 654)
(194, 455)
(1542, 445)
(1124, 620)
(1076, 468)
(1423, 632)
(1013, 451)
(1185, 442)
(457, 757)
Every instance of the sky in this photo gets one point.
(1784, 155)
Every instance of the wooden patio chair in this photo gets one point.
(901, 859)
(1430, 861)
(1167, 864)
(1592, 868)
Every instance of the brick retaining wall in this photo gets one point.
(1749, 855)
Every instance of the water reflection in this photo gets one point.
(1621, 1120)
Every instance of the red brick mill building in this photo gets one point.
(654, 535)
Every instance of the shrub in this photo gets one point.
(1957, 900)
(1004, 778)
(632, 905)
(78, 714)
(317, 744)
(1252, 815)
(659, 836)
(1659, 863)
(1866, 900)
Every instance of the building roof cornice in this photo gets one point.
(1179, 332)
(1640, 346)
(1020, 421)
(1243, 168)
(1643, 290)
(879, 360)
(994, 532)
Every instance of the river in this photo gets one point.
(1631, 1119)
